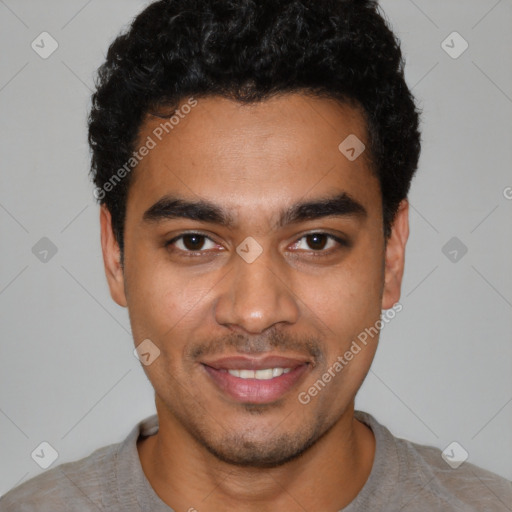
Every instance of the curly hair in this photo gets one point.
(249, 51)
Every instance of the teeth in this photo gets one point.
(266, 374)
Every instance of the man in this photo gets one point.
(252, 160)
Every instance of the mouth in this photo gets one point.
(256, 381)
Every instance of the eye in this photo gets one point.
(191, 242)
(319, 242)
(312, 242)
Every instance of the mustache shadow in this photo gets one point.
(250, 345)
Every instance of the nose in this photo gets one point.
(255, 296)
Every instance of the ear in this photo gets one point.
(112, 258)
(395, 256)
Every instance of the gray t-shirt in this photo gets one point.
(405, 477)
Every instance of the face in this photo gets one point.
(252, 244)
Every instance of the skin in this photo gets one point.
(212, 453)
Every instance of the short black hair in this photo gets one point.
(249, 51)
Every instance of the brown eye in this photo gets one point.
(317, 241)
(191, 242)
(320, 242)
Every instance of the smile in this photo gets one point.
(265, 374)
(263, 385)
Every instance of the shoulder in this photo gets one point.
(70, 486)
(423, 477)
(92, 483)
(459, 483)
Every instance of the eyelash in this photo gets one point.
(318, 253)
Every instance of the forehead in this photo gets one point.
(253, 156)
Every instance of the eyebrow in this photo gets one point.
(172, 207)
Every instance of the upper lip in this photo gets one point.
(251, 363)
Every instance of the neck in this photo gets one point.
(327, 476)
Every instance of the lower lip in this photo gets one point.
(256, 391)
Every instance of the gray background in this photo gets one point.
(443, 370)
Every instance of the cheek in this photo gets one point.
(347, 298)
(164, 300)
(154, 295)
(349, 306)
